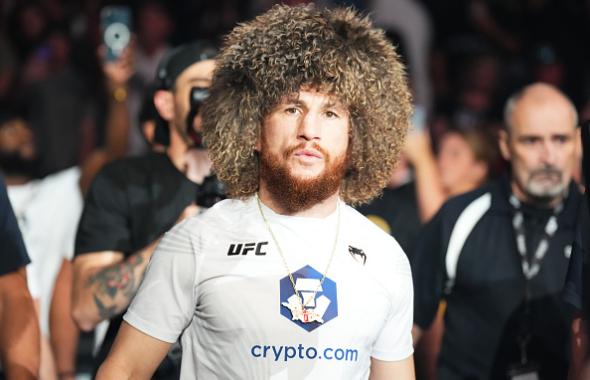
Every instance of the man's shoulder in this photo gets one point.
(224, 215)
(127, 170)
(478, 201)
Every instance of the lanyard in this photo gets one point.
(532, 266)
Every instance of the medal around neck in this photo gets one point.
(307, 295)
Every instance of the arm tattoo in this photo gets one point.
(112, 281)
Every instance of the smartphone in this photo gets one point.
(115, 24)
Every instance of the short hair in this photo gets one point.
(516, 97)
(481, 143)
(334, 51)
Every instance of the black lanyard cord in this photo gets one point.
(530, 266)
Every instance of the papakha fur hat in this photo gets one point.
(334, 51)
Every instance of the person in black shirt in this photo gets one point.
(499, 254)
(576, 292)
(20, 343)
(132, 202)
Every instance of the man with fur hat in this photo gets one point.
(308, 110)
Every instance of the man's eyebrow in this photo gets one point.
(334, 104)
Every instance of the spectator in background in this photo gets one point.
(19, 330)
(154, 27)
(464, 161)
(577, 288)
(56, 98)
(410, 20)
(48, 211)
(134, 201)
(499, 254)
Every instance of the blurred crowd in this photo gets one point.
(66, 111)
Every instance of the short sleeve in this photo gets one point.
(428, 272)
(165, 302)
(394, 342)
(104, 222)
(13, 253)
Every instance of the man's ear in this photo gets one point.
(503, 143)
(164, 102)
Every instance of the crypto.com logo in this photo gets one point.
(320, 300)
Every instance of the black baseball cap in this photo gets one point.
(180, 58)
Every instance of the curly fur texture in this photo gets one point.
(288, 48)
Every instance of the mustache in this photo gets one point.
(546, 171)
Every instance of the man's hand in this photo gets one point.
(418, 147)
(118, 72)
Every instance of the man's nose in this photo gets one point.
(548, 152)
(309, 128)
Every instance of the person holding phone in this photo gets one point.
(134, 201)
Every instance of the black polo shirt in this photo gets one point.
(130, 204)
(484, 313)
(577, 288)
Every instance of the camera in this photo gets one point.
(212, 190)
(197, 96)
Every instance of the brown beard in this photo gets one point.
(296, 194)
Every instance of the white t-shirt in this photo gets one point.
(48, 211)
(218, 282)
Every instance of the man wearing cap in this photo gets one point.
(308, 110)
(133, 201)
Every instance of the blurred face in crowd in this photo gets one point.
(18, 155)
(542, 145)
(174, 105)
(303, 149)
(154, 27)
(460, 170)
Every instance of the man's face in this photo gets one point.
(303, 148)
(198, 74)
(18, 154)
(542, 146)
(458, 166)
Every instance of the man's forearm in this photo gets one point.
(108, 291)
(113, 287)
(19, 328)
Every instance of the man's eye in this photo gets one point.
(331, 114)
(529, 140)
(561, 139)
(291, 110)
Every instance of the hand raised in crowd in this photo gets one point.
(117, 73)
(418, 146)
